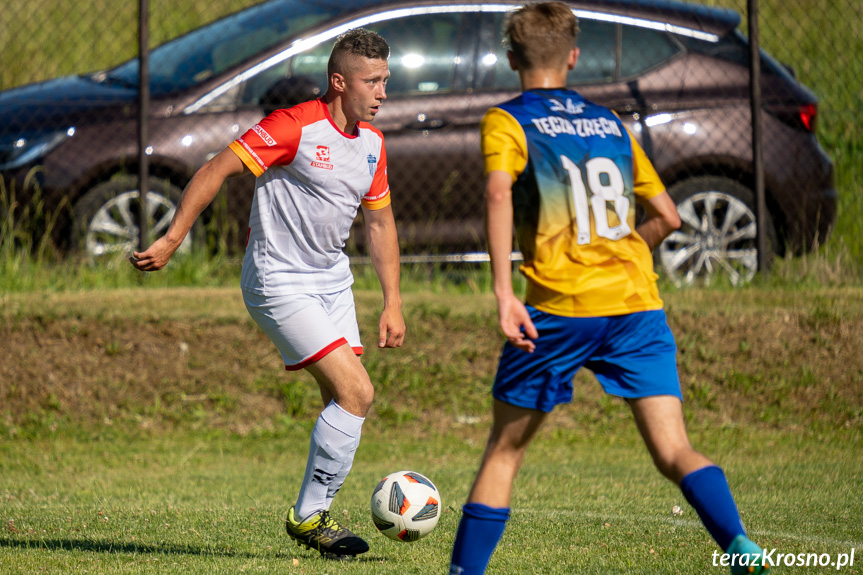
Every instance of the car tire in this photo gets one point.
(717, 240)
(106, 217)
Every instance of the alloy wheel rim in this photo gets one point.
(717, 239)
(114, 228)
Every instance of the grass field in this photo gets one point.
(153, 431)
(216, 504)
(146, 425)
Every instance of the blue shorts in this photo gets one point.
(632, 355)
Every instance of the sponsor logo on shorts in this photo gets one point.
(267, 138)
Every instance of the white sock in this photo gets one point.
(340, 477)
(334, 442)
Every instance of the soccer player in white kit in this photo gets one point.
(316, 163)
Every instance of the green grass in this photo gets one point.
(152, 430)
(215, 503)
(21, 272)
(59, 37)
(192, 478)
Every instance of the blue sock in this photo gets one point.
(479, 531)
(707, 491)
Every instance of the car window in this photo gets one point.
(596, 64)
(732, 47)
(423, 50)
(597, 61)
(642, 49)
(278, 87)
(213, 49)
(311, 64)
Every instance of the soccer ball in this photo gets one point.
(405, 506)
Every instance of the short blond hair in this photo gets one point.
(541, 35)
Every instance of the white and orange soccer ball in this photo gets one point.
(405, 506)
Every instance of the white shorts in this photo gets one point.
(306, 327)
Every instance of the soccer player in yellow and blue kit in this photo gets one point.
(567, 173)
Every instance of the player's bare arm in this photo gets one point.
(513, 317)
(661, 219)
(384, 250)
(196, 197)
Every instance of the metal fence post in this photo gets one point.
(143, 119)
(757, 160)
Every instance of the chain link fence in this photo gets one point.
(677, 75)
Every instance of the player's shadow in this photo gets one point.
(119, 547)
(144, 548)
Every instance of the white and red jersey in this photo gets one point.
(311, 179)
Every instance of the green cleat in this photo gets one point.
(322, 533)
(747, 558)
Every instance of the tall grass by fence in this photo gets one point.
(820, 39)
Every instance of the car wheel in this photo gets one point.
(717, 238)
(106, 217)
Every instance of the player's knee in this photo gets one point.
(366, 394)
(674, 464)
(361, 392)
(666, 467)
(665, 458)
(355, 398)
(504, 450)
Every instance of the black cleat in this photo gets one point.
(322, 533)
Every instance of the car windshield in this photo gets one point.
(215, 48)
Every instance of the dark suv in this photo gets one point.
(676, 73)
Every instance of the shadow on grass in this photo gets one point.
(144, 548)
(119, 547)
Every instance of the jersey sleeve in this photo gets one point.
(379, 192)
(272, 141)
(645, 182)
(503, 142)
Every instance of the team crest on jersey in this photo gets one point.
(322, 153)
(373, 164)
(569, 107)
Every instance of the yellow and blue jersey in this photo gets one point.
(576, 173)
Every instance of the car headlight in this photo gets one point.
(19, 151)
